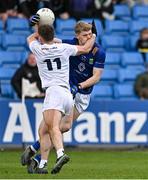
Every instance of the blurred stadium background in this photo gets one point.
(115, 117)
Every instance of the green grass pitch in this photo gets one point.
(84, 164)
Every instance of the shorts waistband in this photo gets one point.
(45, 88)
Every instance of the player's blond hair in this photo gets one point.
(82, 26)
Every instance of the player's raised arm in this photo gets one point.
(32, 37)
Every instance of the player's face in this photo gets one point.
(84, 36)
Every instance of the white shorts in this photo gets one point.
(81, 101)
(58, 98)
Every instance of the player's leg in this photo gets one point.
(67, 121)
(52, 119)
(81, 103)
(66, 108)
(29, 152)
(46, 146)
(35, 161)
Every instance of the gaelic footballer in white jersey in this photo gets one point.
(53, 62)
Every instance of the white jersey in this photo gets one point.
(53, 62)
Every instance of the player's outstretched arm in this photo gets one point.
(88, 45)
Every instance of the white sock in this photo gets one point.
(42, 162)
(60, 153)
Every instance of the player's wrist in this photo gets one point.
(80, 86)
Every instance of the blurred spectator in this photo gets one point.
(131, 3)
(27, 8)
(104, 9)
(142, 43)
(81, 9)
(29, 73)
(60, 8)
(8, 8)
(141, 85)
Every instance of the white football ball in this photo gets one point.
(46, 16)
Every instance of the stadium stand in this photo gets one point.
(13, 42)
(147, 57)
(5, 85)
(132, 40)
(7, 90)
(140, 12)
(114, 43)
(128, 75)
(109, 76)
(112, 60)
(102, 92)
(116, 27)
(132, 60)
(12, 59)
(122, 12)
(124, 92)
(1, 27)
(18, 26)
(65, 27)
(137, 25)
(118, 37)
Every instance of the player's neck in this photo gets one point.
(48, 42)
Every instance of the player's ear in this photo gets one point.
(77, 35)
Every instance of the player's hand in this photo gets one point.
(74, 90)
(34, 19)
(94, 29)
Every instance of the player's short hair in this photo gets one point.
(82, 26)
(46, 32)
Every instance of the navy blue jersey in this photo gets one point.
(81, 66)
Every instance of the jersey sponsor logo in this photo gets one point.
(44, 48)
(83, 58)
(53, 48)
(81, 67)
(91, 60)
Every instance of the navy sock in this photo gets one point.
(38, 158)
(36, 145)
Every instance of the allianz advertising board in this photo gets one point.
(104, 122)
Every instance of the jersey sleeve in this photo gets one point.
(100, 58)
(71, 49)
(34, 46)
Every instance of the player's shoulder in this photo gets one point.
(73, 41)
(97, 49)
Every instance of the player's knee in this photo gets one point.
(66, 127)
(54, 130)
